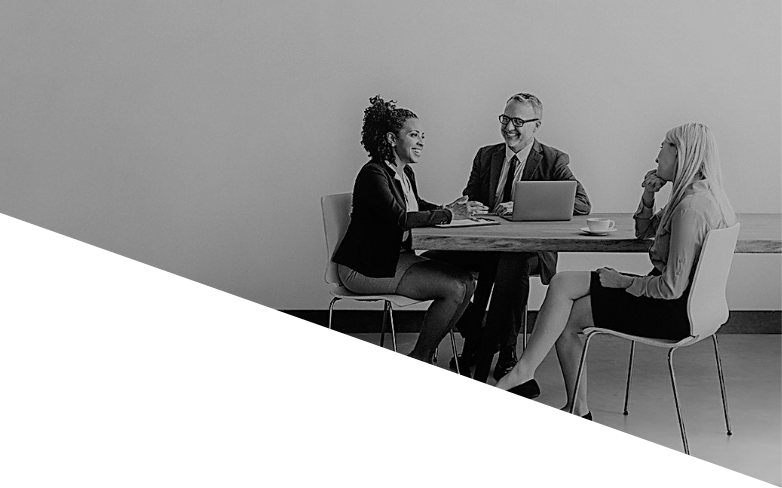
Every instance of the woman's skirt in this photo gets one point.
(367, 285)
(615, 309)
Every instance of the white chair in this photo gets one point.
(707, 309)
(525, 316)
(336, 216)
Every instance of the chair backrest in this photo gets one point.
(336, 217)
(707, 305)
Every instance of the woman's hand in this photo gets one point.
(652, 183)
(477, 208)
(611, 278)
(459, 209)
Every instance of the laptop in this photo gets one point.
(543, 200)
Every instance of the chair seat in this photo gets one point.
(398, 300)
(666, 343)
(707, 310)
(336, 217)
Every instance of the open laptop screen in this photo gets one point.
(543, 200)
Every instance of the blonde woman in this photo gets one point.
(654, 305)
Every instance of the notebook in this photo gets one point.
(475, 221)
(543, 200)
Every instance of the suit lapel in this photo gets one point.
(497, 159)
(396, 186)
(533, 160)
(411, 176)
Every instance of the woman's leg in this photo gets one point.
(565, 288)
(450, 288)
(569, 347)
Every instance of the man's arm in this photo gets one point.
(581, 206)
(473, 188)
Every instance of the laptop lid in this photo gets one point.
(543, 200)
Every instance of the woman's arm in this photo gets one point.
(373, 194)
(424, 205)
(458, 209)
(688, 230)
(646, 221)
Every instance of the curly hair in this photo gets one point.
(380, 118)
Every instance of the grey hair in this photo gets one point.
(530, 99)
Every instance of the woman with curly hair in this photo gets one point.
(375, 255)
(651, 306)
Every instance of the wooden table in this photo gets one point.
(760, 233)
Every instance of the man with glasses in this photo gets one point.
(495, 169)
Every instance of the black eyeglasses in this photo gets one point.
(504, 119)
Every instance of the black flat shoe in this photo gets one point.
(587, 416)
(530, 389)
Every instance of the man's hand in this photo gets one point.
(505, 208)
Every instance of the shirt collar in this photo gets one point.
(700, 185)
(407, 185)
(522, 154)
(393, 168)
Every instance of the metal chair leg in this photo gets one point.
(676, 401)
(580, 370)
(524, 329)
(383, 326)
(629, 374)
(722, 385)
(391, 319)
(331, 309)
(455, 354)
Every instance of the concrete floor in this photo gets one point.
(752, 364)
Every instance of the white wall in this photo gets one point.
(198, 136)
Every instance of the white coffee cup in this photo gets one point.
(600, 225)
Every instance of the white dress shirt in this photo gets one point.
(522, 156)
(411, 203)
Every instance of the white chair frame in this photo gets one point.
(336, 216)
(707, 309)
(525, 318)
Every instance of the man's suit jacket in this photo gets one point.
(543, 163)
(379, 219)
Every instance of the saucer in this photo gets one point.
(586, 230)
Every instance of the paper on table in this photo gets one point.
(469, 222)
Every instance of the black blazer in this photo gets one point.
(379, 219)
(543, 163)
